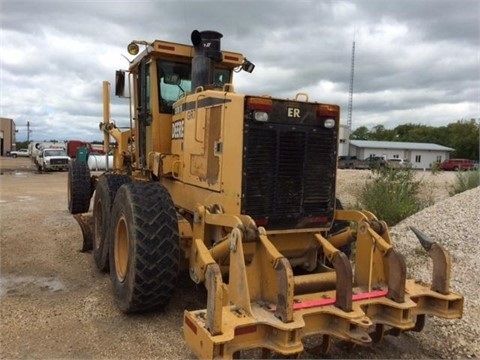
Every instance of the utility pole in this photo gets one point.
(28, 132)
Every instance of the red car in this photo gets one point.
(457, 164)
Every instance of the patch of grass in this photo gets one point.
(392, 194)
(465, 180)
(435, 168)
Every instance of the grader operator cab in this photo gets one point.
(239, 191)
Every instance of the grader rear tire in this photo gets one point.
(79, 187)
(144, 251)
(105, 191)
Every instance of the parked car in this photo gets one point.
(375, 162)
(397, 163)
(21, 152)
(347, 162)
(457, 164)
(351, 162)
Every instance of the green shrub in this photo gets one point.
(465, 180)
(392, 194)
(436, 168)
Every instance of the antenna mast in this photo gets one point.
(350, 93)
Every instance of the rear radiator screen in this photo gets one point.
(289, 175)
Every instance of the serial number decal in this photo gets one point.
(177, 129)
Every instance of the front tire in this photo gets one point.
(79, 187)
(144, 248)
(105, 191)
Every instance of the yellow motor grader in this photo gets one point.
(239, 190)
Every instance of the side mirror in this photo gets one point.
(248, 66)
(119, 83)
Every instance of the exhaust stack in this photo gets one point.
(207, 52)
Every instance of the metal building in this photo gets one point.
(420, 155)
(7, 136)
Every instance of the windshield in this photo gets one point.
(55, 152)
(175, 79)
(170, 91)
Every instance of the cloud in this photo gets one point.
(415, 61)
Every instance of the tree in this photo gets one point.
(381, 134)
(361, 133)
(21, 145)
(414, 133)
(463, 136)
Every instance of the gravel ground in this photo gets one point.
(55, 304)
(434, 186)
(455, 224)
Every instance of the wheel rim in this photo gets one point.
(121, 249)
(98, 229)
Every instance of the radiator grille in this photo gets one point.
(59, 161)
(289, 174)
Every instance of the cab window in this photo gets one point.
(174, 81)
(221, 77)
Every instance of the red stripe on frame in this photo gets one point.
(331, 301)
(191, 325)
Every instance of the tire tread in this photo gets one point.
(157, 252)
(79, 187)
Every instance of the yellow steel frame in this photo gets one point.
(259, 307)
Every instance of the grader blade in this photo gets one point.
(86, 225)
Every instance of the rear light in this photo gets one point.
(259, 108)
(260, 104)
(331, 111)
(329, 114)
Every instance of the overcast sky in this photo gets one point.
(416, 61)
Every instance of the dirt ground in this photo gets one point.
(55, 304)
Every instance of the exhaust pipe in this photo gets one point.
(207, 52)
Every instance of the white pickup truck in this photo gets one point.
(52, 159)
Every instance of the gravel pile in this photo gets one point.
(454, 223)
